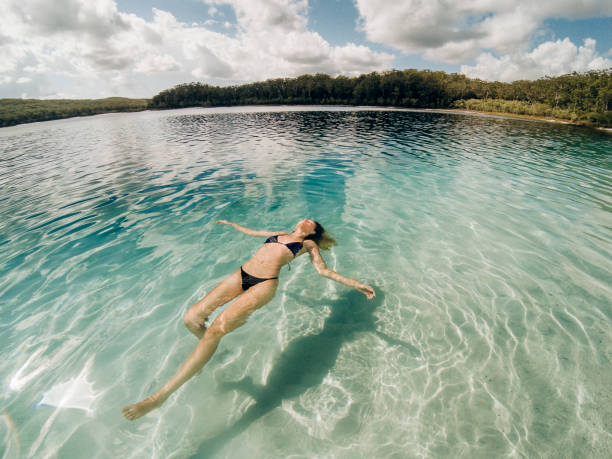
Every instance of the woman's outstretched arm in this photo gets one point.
(249, 231)
(323, 270)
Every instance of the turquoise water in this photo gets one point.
(488, 240)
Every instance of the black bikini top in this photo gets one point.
(295, 247)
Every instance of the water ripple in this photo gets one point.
(488, 241)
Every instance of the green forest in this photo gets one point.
(17, 111)
(584, 98)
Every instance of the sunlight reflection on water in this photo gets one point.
(488, 241)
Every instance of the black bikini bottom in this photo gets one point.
(248, 281)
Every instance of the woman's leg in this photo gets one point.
(228, 289)
(235, 315)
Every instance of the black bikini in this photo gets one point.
(248, 281)
(295, 247)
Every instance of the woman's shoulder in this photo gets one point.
(309, 244)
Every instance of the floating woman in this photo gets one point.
(252, 285)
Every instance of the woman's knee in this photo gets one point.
(191, 319)
(224, 325)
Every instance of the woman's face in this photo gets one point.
(306, 226)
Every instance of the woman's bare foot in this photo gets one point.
(139, 409)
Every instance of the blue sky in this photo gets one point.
(135, 48)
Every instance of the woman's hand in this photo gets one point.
(366, 290)
(223, 222)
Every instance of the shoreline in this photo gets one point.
(547, 119)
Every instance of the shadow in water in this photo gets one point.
(304, 364)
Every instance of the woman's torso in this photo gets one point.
(268, 260)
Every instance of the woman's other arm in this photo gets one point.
(321, 268)
(249, 231)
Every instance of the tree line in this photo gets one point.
(17, 111)
(576, 96)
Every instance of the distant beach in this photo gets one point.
(507, 115)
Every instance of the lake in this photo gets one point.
(488, 241)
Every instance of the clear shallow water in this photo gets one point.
(489, 242)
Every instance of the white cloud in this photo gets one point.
(256, 15)
(352, 58)
(550, 58)
(455, 32)
(23, 80)
(157, 63)
(212, 66)
(99, 19)
(91, 49)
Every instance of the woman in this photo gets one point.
(253, 285)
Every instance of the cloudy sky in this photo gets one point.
(136, 48)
